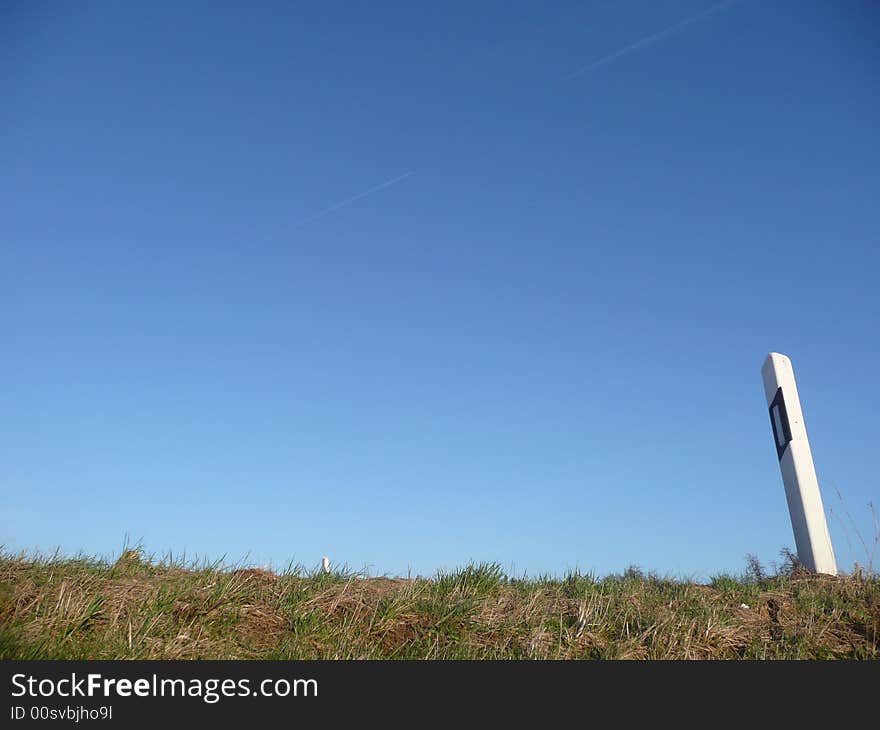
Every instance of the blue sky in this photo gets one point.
(414, 284)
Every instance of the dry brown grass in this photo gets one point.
(135, 609)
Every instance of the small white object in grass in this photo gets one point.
(743, 605)
(325, 564)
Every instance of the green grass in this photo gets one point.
(137, 608)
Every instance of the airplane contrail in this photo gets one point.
(353, 198)
(653, 38)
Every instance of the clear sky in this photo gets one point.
(414, 284)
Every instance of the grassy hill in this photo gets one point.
(56, 608)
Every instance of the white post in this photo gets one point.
(811, 535)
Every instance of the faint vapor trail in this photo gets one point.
(653, 38)
(347, 201)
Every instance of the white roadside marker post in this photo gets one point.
(811, 535)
